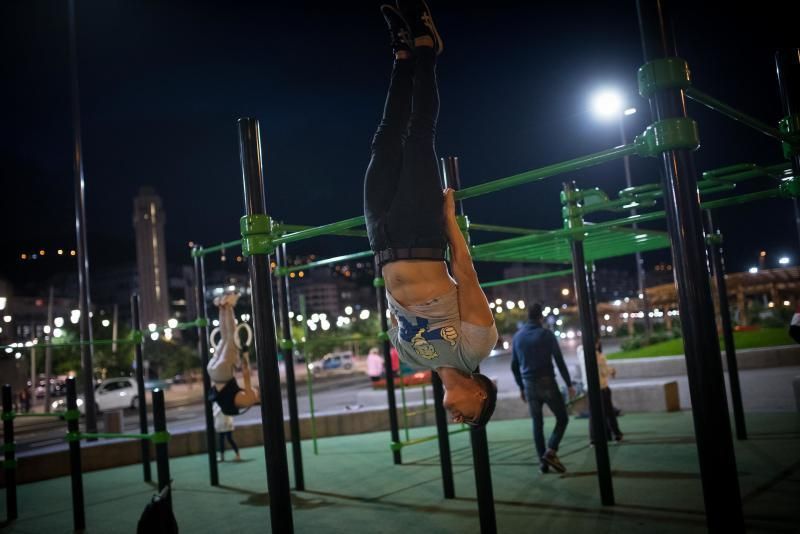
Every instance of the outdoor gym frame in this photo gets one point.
(671, 138)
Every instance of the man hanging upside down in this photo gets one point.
(439, 321)
(225, 391)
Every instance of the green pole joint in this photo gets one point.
(571, 211)
(280, 271)
(72, 415)
(136, 336)
(286, 344)
(669, 134)
(714, 239)
(202, 322)
(159, 437)
(378, 282)
(9, 447)
(257, 234)
(790, 125)
(396, 446)
(383, 336)
(9, 416)
(73, 436)
(9, 464)
(790, 188)
(660, 74)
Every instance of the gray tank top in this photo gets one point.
(432, 334)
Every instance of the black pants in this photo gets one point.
(609, 417)
(402, 188)
(229, 436)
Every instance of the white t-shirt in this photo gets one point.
(222, 422)
(432, 334)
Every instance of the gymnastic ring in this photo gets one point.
(214, 332)
(249, 331)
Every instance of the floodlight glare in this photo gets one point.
(606, 104)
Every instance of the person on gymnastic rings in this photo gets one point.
(440, 319)
(225, 390)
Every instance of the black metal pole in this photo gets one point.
(444, 437)
(718, 262)
(716, 456)
(787, 64)
(592, 286)
(394, 426)
(590, 361)
(201, 312)
(288, 360)
(87, 350)
(75, 468)
(9, 447)
(161, 445)
(139, 347)
(480, 443)
(264, 326)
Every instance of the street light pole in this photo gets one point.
(639, 265)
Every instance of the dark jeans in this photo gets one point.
(229, 436)
(538, 392)
(609, 415)
(402, 188)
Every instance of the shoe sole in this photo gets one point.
(557, 466)
(437, 39)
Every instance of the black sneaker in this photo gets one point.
(418, 15)
(399, 30)
(544, 468)
(551, 459)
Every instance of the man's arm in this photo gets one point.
(515, 370)
(472, 303)
(559, 358)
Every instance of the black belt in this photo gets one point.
(394, 254)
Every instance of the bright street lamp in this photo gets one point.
(752, 270)
(784, 260)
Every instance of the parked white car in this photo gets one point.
(111, 394)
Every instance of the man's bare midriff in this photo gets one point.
(416, 281)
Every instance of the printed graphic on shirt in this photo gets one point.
(420, 336)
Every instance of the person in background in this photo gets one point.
(224, 426)
(794, 325)
(534, 349)
(374, 364)
(609, 412)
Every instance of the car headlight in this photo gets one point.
(54, 405)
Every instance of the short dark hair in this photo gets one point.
(535, 312)
(489, 404)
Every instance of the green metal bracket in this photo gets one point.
(714, 239)
(160, 437)
(72, 415)
(9, 416)
(201, 323)
(257, 234)
(790, 125)
(9, 447)
(136, 336)
(669, 134)
(286, 344)
(666, 73)
(571, 210)
(790, 188)
(378, 282)
(9, 464)
(280, 271)
(383, 336)
(73, 436)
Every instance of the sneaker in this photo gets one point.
(544, 468)
(418, 15)
(220, 458)
(399, 30)
(618, 437)
(551, 459)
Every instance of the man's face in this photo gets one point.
(463, 404)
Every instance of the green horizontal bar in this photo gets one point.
(747, 120)
(397, 445)
(343, 233)
(181, 326)
(546, 172)
(540, 276)
(36, 414)
(504, 229)
(331, 228)
(202, 251)
(328, 261)
(741, 199)
(74, 436)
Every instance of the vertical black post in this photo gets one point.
(161, 444)
(592, 286)
(394, 426)
(264, 326)
(80, 228)
(787, 64)
(444, 437)
(716, 456)
(288, 360)
(201, 312)
(138, 347)
(75, 468)
(10, 464)
(590, 356)
(479, 441)
(718, 263)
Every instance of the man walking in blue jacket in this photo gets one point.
(534, 349)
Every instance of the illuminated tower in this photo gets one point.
(151, 257)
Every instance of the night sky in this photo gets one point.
(163, 82)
